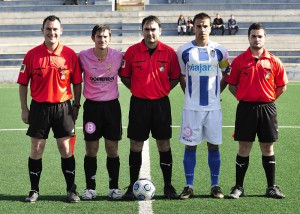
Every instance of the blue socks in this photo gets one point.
(214, 163)
(189, 163)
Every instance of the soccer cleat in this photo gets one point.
(115, 194)
(72, 195)
(128, 196)
(89, 194)
(32, 196)
(236, 192)
(216, 192)
(187, 192)
(170, 192)
(274, 192)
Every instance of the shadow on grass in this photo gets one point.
(162, 197)
(62, 198)
(254, 196)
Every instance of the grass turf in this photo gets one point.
(15, 146)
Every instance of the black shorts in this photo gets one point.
(149, 115)
(102, 119)
(43, 116)
(256, 118)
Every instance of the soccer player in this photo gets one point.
(50, 68)
(257, 79)
(102, 111)
(203, 64)
(150, 70)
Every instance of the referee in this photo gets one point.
(257, 79)
(150, 70)
(50, 68)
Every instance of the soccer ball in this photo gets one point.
(143, 189)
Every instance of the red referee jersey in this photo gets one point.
(150, 75)
(50, 74)
(256, 81)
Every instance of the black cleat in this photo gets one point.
(236, 192)
(187, 192)
(128, 196)
(274, 192)
(170, 192)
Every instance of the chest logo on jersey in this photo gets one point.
(213, 53)
(63, 72)
(268, 75)
(162, 68)
(102, 80)
(109, 68)
(201, 69)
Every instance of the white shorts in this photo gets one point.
(201, 125)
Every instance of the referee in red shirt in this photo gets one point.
(50, 68)
(150, 70)
(257, 79)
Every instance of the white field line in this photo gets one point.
(124, 127)
(145, 207)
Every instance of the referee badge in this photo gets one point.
(23, 67)
(62, 73)
(162, 68)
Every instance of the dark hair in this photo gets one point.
(151, 19)
(101, 28)
(201, 16)
(256, 26)
(51, 18)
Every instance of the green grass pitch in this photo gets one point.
(15, 147)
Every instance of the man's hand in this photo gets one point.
(75, 113)
(25, 115)
(75, 110)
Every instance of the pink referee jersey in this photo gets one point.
(100, 78)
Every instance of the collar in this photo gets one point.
(57, 50)
(144, 48)
(195, 44)
(248, 55)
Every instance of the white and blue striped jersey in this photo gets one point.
(203, 68)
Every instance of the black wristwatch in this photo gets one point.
(76, 106)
